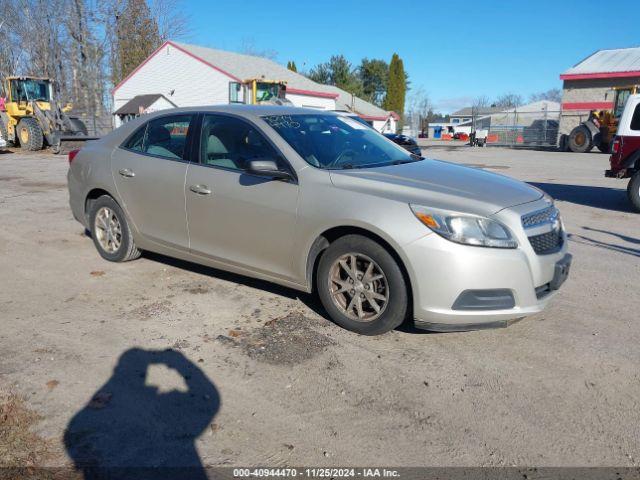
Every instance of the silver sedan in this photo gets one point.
(319, 201)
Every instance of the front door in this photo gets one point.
(233, 216)
(149, 173)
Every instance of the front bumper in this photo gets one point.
(442, 271)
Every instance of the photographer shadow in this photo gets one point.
(130, 429)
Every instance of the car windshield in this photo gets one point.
(337, 142)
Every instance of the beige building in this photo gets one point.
(589, 85)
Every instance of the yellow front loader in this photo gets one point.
(601, 126)
(31, 118)
(260, 91)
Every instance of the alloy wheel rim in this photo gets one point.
(358, 287)
(108, 230)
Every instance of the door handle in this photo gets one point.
(125, 172)
(200, 189)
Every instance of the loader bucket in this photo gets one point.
(65, 143)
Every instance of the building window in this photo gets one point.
(234, 92)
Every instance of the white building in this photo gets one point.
(189, 75)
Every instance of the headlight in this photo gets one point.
(466, 229)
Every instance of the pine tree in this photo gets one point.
(137, 36)
(291, 65)
(396, 88)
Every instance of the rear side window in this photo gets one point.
(167, 136)
(164, 137)
(635, 121)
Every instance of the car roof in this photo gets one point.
(249, 110)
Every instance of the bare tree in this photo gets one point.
(480, 102)
(552, 95)
(80, 44)
(420, 104)
(173, 21)
(249, 48)
(509, 100)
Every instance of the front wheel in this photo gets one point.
(361, 286)
(633, 191)
(30, 134)
(110, 231)
(580, 139)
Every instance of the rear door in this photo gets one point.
(149, 172)
(233, 216)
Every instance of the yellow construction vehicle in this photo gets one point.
(30, 116)
(260, 91)
(601, 125)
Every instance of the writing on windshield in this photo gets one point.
(336, 141)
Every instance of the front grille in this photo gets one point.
(533, 219)
(547, 243)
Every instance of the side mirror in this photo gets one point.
(266, 167)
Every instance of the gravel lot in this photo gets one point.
(272, 382)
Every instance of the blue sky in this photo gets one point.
(453, 50)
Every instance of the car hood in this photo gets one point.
(439, 184)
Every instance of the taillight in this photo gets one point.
(615, 147)
(72, 155)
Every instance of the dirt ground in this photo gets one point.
(257, 376)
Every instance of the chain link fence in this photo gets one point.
(514, 128)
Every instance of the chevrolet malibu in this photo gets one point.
(319, 202)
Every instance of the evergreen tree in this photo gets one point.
(291, 65)
(339, 72)
(137, 36)
(396, 88)
(374, 75)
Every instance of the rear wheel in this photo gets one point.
(361, 286)
(604, 147)
(580, 139)
(30, 134)
(110, 231)
(633, 191)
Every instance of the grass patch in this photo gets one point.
(19, 446)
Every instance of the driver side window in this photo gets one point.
(231, 143)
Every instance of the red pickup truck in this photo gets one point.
(625, 150)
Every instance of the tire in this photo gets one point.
(580, 139)
(392, 311)
(4, 134)
(126, 249)
(29, 134)
(604, 147)
(79, 128)
(633, 191)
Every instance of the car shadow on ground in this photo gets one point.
(598, 197)
(635, 252)
(310, 300)
(130, 429)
